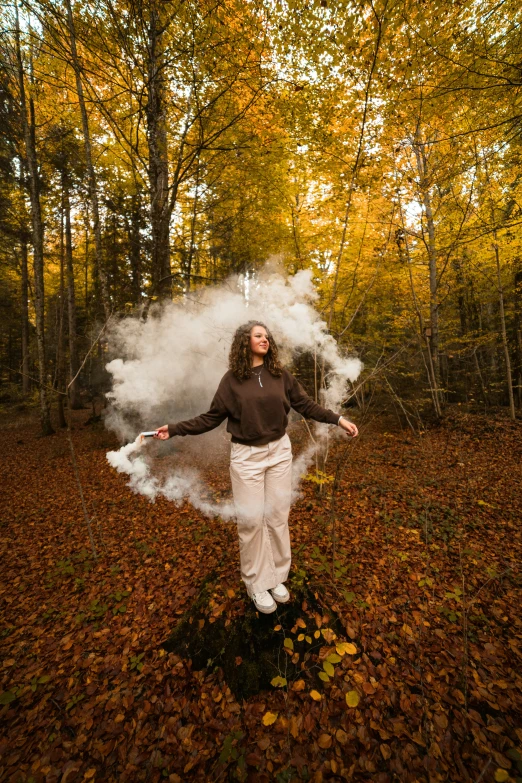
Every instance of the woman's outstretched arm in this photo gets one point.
(198, 425)
(310, 409)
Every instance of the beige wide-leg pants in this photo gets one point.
(262, 487)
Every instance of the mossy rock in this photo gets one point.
(249, 650)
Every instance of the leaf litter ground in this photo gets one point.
(399, 659)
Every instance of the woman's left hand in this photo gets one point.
(349, 427)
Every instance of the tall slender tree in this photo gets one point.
(91, 171)
(27, 113)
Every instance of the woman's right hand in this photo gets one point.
(349, 427)
(162, 432)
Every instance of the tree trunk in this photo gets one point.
(26, 380)
(135, 248)
(28, 124)
(93, 190)
(518, 330)
(483, 389)
(404, 254)
(10, 354)
(422, 168)
(465, 307)
(86, 263)
(505, 343)
(59, 381)
(461, 296)
(192, 246)
(158, 169)
(295, 214)
(74, 391)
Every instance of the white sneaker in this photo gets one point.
(264, 602)
(280, 593)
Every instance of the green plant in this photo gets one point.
(36, 681)
(117, 597)
(230, 752)
(74, 701)
(135, 662)
(64, 567)
(9, 696)
(142, 546)
(199, 534)
(299, 577)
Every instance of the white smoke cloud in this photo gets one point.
(167, 369)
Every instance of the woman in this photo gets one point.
(256, 395)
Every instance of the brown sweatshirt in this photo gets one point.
(256, 414)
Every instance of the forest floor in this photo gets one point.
(403, 664)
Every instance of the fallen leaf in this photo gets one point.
(352, 698)
(324, 741)
(269, 718)
(278, 682)
(341, 736)
(329, 669)
(441, 720)
(333, 658)
(459, 696)
(346, 648)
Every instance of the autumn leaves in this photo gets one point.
(323, 664)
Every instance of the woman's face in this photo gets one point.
(259, 343)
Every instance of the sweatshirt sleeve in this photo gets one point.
(306, 406)
(203, 423)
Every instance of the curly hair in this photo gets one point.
(240, 356)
